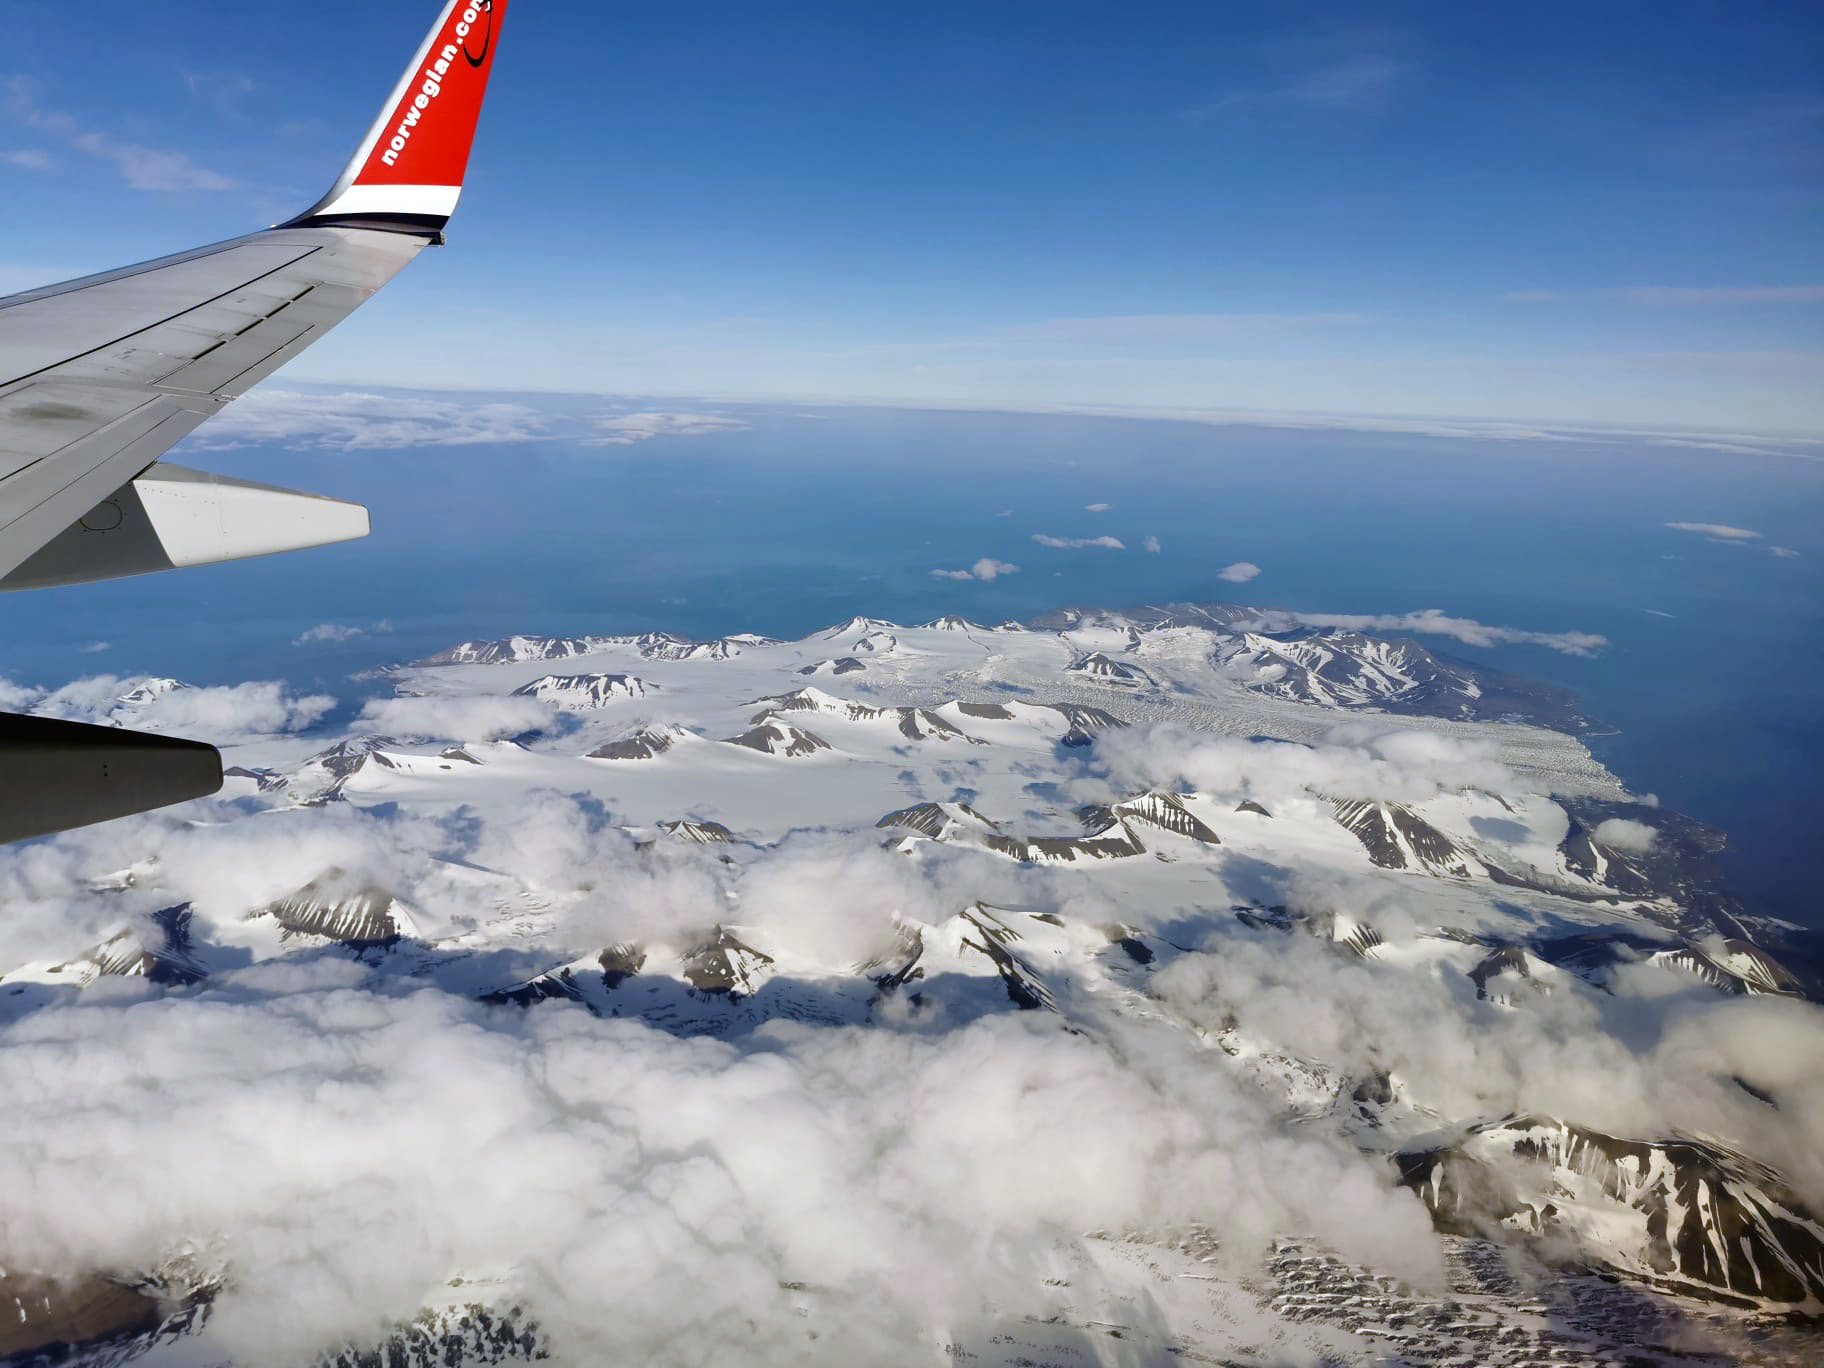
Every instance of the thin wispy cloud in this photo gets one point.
(1435, 622)
(1177, 328)
(27, 159)
(338, 632)
(1715, 531)
(1079, 543)
(1679, 294)
(1363, 83)
(142, 167)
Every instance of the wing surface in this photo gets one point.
(101, 376)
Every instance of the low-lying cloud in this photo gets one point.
(213, 713)
(987, 568)
(1434, 622)
(1239, 573)
(1622, 833)
(466, 717)
(629, 428)
(363, 420)
(1359, 760)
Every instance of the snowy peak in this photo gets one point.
(648, 743)
(1396, 837)
(698, 832)
(1681, 1213)
(1018, 949)
(149, 691)
(856, 627)
(1105, 669)
(664, 646)
(771, 736)
(329, 908)
(584, 692)
(513, 650)
(915, 724)
(842, 665)
(960, 824)
(1162, 811)
(814, 700)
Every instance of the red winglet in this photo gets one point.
(408, 172)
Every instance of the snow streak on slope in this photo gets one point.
(1025, 996)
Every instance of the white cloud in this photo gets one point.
(626, 429)
(327, 631)
(365, 421)
(96, 647)
(1434, 622)
(1358, 760)
(1078, 543)
(1151, 544)
(27, 159)
(143, 168)
(987, 568)
(1097, 507)
(218, 713)
(1625, 834)
(468, 717)
(1239, 573)
(1716, 531)
(1783, 552)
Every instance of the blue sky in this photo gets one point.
(1595, 213)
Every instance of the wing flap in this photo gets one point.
(47, 329)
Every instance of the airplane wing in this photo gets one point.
(99, 377)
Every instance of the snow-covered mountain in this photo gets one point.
(583, 693)
(1353, 972)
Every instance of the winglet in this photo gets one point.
(407, 173)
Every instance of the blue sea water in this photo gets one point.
(807, 517)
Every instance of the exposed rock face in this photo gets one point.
(585, 692)
(328, 907)
(1166, 811)
(1106, 837)
(773, 737)
(1396, 837)
(1105, 669)
(46, 1320)
(1680, 1212)
(978, 941)
(699, 832)
(724, 965)
(646, 744)
(581, 982)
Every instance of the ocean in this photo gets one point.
(808, 516)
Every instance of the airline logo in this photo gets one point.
(426, 140)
